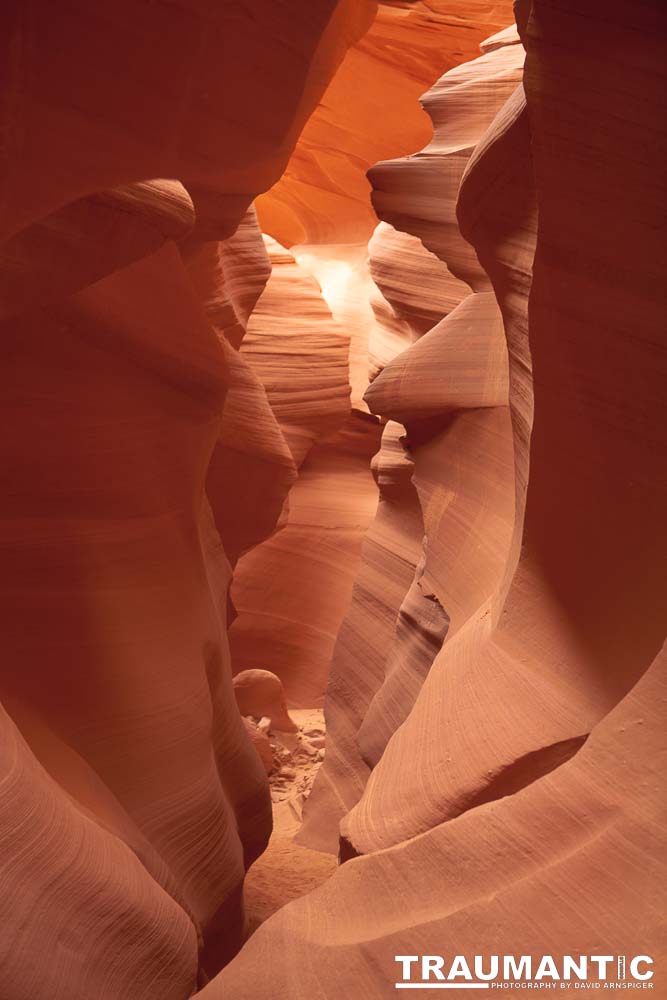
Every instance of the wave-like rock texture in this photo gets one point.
(102, 136)
(450, 391)
(391, 551)
(370, 111)
(132, 800)
(495, 751)
(520, 805)
(251, 451)
(291, 592)
(299, 353)
(522, 875)
(123, 692)
(341, 270)
(407, 301)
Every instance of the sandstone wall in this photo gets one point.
(518, 807)
(494, 773)
(132, 800)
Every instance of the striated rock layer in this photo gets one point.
(370, 111)
(291, 592)
(494, 771)
(522, 875)
(517, 806)
(251, 451)
(450, 391)
(295, 589)
(132, 800)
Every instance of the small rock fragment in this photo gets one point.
(260, 693)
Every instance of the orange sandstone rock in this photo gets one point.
(260, 693)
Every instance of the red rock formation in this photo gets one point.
(322, 203)
(370, 111)
(412, 299)
(91, 123)
(132, 799)
(299, 354)
(495, 754)
(260, 693)
(261, 743)
(291, 592)
(251, 451)
(450, 390)
(124, 689)
(519, 806)
(528, 874)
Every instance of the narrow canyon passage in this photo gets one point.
(332, 521)
(319, 332)
(291, 592)
(307, 339)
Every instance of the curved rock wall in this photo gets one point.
(291, 592)
(251, 451)
(294, 590)
(370, 111)
(518, 807)
(523, 875)
(494, 772)
(450, 391)
(132, 799)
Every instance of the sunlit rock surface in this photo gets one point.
(291, 593)
(371, 111)
(522, 793)
(433, 479)
(513, 873)
(450, 391)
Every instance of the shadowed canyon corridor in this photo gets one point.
(334, 464)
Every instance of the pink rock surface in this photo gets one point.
(450, 390)
(522, 874)
(132, 799)
(194, 528)
(291, 592)
(519, 806)
(299, 353)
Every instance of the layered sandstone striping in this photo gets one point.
(299, 353)
(132, 799)
(408, 300)
(230, 277)
(371, 111)
(522, 875)
(495, 755)
(291, 592)
(321, 203)
(519, 807)
(450, 390)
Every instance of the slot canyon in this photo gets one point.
(334, 464)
